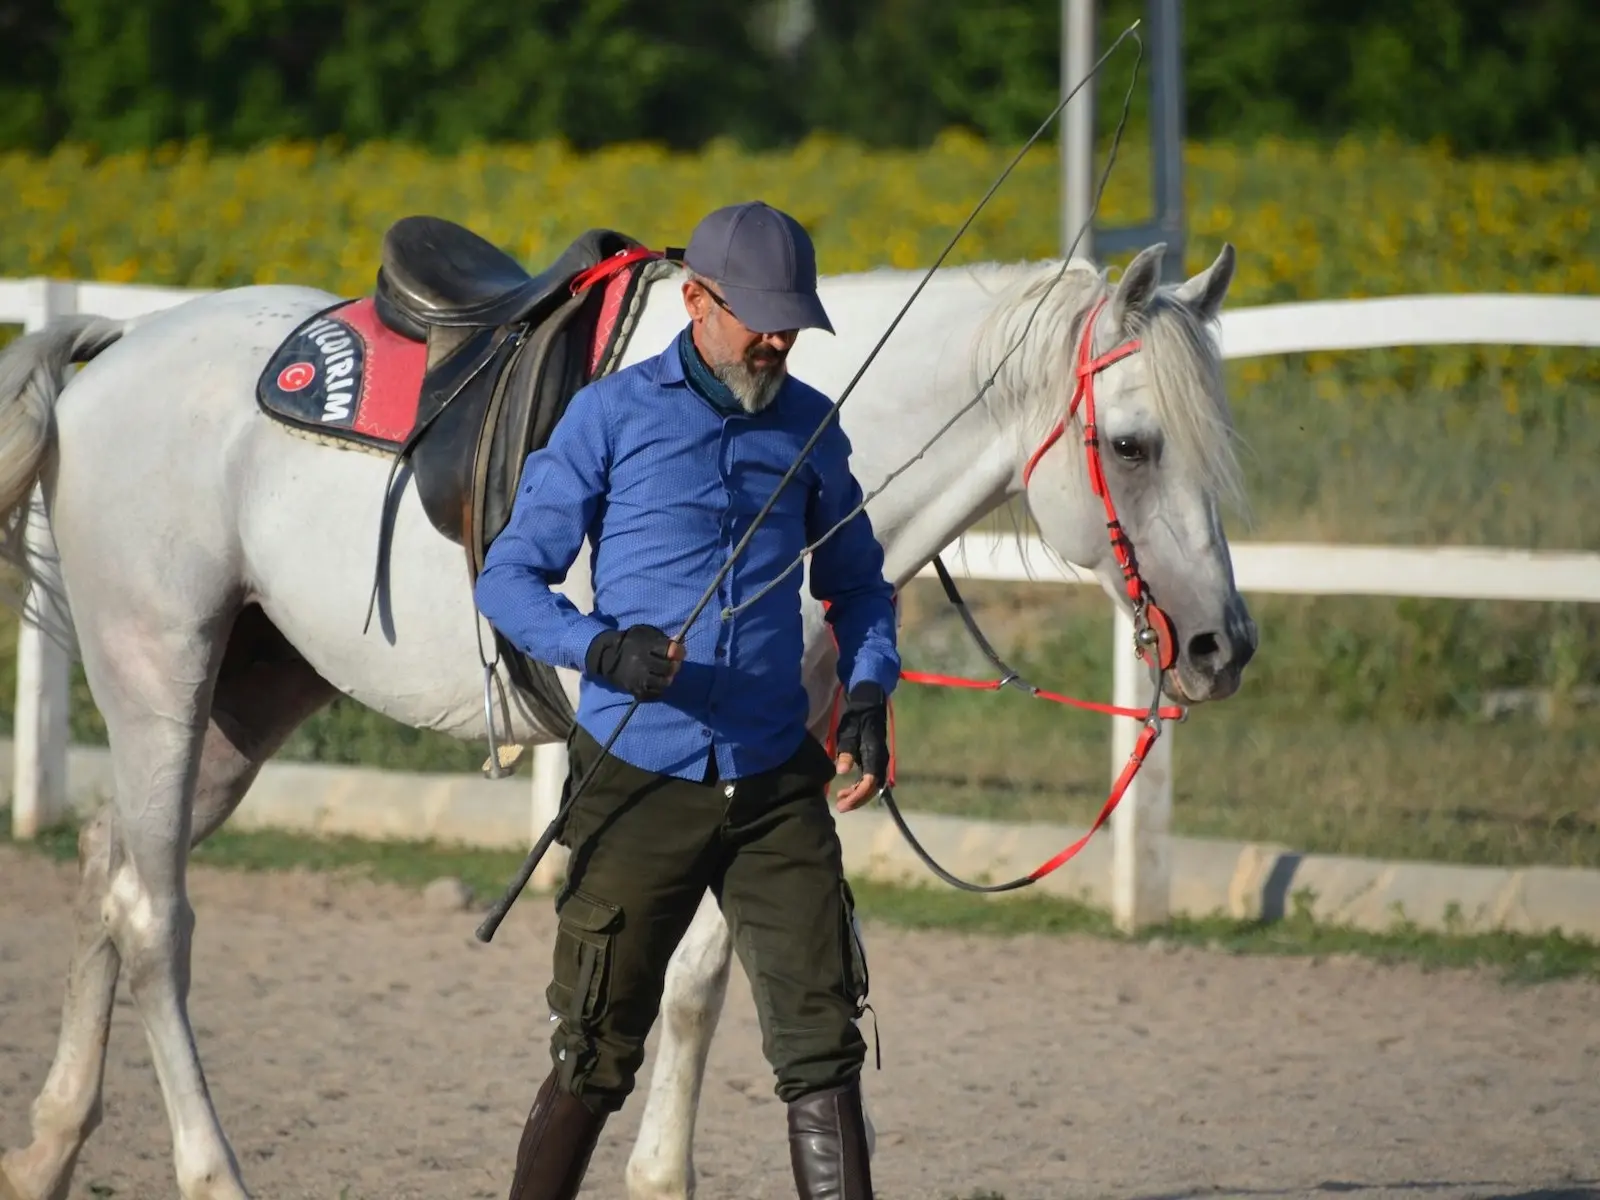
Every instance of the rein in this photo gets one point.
(1153, 636)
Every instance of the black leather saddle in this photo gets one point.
(437, 273)
(507, 350)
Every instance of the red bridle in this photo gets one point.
(1152, 628)
(1155, 642)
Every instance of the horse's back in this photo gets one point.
(207, 349)
(150, 434)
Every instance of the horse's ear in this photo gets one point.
(1137, 285)
(1204, 293)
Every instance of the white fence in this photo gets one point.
(1139, 827)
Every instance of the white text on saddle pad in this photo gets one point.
(338, 360)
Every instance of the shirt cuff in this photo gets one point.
(873, 669)
(575, 641)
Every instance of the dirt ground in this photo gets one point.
(359, 1044)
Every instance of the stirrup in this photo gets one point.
(503, 759)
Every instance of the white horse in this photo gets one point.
(217, 568)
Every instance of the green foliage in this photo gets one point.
(1477, 74)
(119, 74)
(351, 735)
(440, 73)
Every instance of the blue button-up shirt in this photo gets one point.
(664, 486)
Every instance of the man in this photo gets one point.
(715, 782)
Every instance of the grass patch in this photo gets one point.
(411, 864)
(1515, 957)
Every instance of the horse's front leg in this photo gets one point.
(662, 1164)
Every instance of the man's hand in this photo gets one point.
(641, 660)
(864, 739)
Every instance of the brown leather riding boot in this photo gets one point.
(828, 1145)
(556, 1144)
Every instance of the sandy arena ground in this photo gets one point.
(356, 1040)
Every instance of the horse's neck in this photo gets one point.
(920, 380)
(967, 472)
(928, 371)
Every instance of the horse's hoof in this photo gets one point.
(645, 1187)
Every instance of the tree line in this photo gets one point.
(1478, 75)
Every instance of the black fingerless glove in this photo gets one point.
(864, 730)
(635, 659)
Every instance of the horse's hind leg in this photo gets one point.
(263, 692)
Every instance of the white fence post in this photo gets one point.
(1141, 847)
(549, 773)
(41, 725)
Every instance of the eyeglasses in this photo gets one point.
(721, 303)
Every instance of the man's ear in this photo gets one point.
(694, 299)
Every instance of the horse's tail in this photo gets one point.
(32, 375)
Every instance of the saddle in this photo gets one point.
(437, 274)
(506, 352)
(460, 365)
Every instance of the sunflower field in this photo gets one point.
(1357, 218)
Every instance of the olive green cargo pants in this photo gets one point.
(644, 849)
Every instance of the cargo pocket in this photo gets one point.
(585, 946)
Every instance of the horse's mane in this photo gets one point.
(1035, 382)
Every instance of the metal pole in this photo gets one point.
(1164, 40)
(1077, 124)
(1167, 129)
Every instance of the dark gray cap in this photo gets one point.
(764, 265)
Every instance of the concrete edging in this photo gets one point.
(1243, 880)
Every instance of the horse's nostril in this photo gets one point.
(1205, 648)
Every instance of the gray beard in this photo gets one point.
(754, 390)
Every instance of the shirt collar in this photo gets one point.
(669, 367)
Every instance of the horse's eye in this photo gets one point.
(1129, 449)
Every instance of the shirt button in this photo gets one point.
(728, 791)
